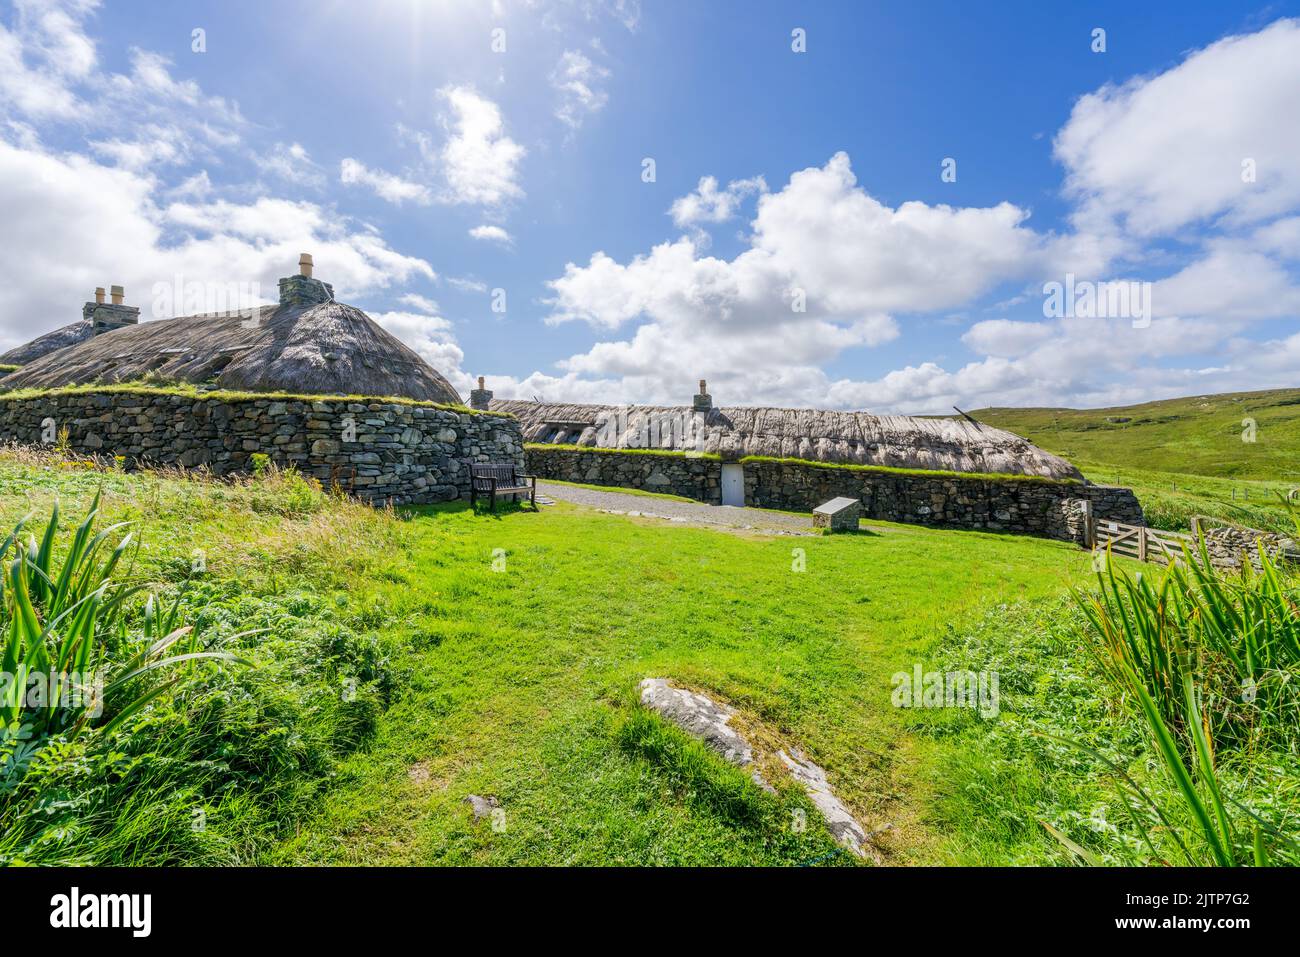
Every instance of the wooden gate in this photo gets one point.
(1137, 541)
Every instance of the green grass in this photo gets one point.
(6, 368)
(522, 683)
(1198, 435)
(1182, 457)
(499, 654)
(1212, 659)
(529, 675)
(1171, 499)
(243, 750)
(663, 453)
(190, 391)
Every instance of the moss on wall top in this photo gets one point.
(665, 453)
(920, 473)
(222, 395)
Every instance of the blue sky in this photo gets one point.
(426, 170)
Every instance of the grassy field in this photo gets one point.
(1183, 457)
(520, 682)
(525, 678)
(1199, 435)
(409, 660)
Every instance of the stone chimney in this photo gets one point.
(104, 316)
(480, 397)
(302, 289)
(703, 402)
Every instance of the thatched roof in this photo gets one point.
(327, 349)
(822, 436)
(68, 335)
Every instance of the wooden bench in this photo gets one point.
(492, 480)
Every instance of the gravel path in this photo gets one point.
(689, 513)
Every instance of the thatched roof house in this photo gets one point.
(96, 317)
(810, 434)
(307, 344)
(60, 338)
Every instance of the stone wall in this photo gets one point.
(1229, 545)
(1034, 507)
(378, 450)
(1048, 509)
(672, 474)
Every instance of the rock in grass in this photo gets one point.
(482, 806)
(842, 825)
(702, 717)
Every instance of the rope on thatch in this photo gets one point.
(817, 435)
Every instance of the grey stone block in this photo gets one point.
(839, 514)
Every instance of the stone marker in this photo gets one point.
(839, 514)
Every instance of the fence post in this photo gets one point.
(1089, 525)
(1142, 543)
(1196, 528)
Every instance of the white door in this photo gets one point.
(733, 485)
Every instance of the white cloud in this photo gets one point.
(43, 54)
(1077, 362)
(708, 204)
(480, 162)
(61, 204)
(150, 94)
(1002, 337)
(416, 301)
(108, 216)
(852, 259)
(1160, 152)
(1280, 238)
(292, 163)
(466, 284)
(1235, 279)
(849, 255)
(155, 147)
(1146, 160)
(198, 186)
(387, 186)
(578, 81)
(493, 234)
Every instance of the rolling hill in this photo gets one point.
(1197, 435)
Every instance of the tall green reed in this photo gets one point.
(68, 659)
(1207, 657)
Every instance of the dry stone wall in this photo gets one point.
(671, 474)
(379, 451)
(1047, 509)
(1230, 546)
